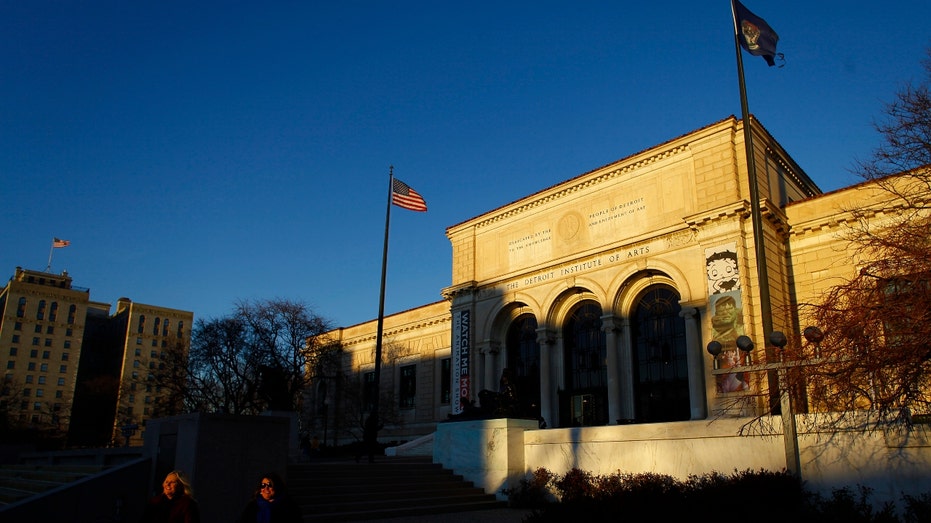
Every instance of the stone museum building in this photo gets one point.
(591, 302)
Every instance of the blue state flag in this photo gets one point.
(754, 34)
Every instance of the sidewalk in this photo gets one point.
(500, 515)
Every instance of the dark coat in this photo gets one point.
(284, 510)
(181, 509)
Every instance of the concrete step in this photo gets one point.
(388, 488)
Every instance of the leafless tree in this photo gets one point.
(875, 357)
(260, 357)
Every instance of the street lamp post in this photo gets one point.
(779, 340)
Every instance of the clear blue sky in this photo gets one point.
(198, 153)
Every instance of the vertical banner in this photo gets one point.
(726, 308)
(462, 345)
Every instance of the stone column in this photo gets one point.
(611, 328)
(695, 361)
(547, 341)
(491, 372)
(625, 370)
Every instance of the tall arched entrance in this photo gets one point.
(523, 353)
(584, 401)
(661, 384)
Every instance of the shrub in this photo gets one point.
(533, 492)
(759, 496)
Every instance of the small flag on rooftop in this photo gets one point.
(58, 243)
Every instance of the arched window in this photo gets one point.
(72, 310)
(180, 328)
(156, 324)
(21, 308)
(661, 385)
(585, 399)
(141, 323)
(524, 364)
(53, 311)
(40, 312)
(165, 328)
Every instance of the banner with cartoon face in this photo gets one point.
(726, 309)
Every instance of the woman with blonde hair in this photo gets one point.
(175, 504)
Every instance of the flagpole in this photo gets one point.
(48, 268)
(790, 435)
(755, 211)
(370, 430)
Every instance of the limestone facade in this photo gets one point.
(597, 297)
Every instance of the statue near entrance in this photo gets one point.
(501, 404)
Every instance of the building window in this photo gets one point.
(408, 387)
(64, 356)
(61, 382)
(18, 326)
(584, 402)
(11, 364)
(27, 392)
(446, 380)
(35, 341)
(13, 351)
(43, 367)
(41, 380)
(523, 352)
(67, 344)
(165, 328)
(72, 310)
(40, 393)
(156, 325)
(48, 342)
(37, 329)
(21, 308)
(16, 338)
(59, 394)
(69, 332)
(34, 353)
(141, 323)
(63, 369)
(29, 378)
(660, 357)
(53, 311)
(50, 329)
(46, 354)
(40, 312)
(31, 366)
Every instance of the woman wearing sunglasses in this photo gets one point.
(271, 503)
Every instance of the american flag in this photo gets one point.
(403, 196)
(56, 242)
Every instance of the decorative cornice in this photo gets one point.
(463, 289)
(739, 209)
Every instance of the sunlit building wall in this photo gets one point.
(72, 368)
(597, 297)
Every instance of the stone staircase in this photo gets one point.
(346, 490)
(18, 482)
